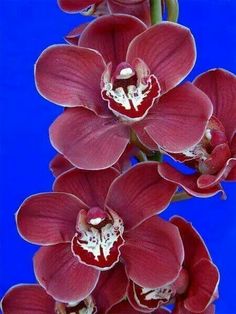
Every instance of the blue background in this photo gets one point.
(26, 28)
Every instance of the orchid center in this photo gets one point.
(86, 306)
(130, 92)
(98, 238)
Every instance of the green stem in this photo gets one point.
(156, 11)
(181, 196)
(173, 10)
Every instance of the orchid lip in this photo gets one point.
(87, 306)
(97, 242)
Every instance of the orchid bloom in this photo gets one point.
(137, 8)
(94, 220)
(124, 87)
(195, 288)
(214, 157)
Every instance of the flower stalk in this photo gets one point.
(181, 196)
(173, 10)
(156, 11)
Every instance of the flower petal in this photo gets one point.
(116, 31)
(220, 87)
(178, 120)
(70, 76)
(123, 308)
(91, 187)
(153, 253)
(62, 275)
(139, 194)
(27, 299)
(187, 181)
(48, 218)
(74, 6)
(87, 140)
(140, 9)
(203, 286)
(169, 51)
(111, 288)
(59, 164)
(194, 246)
(180, 309)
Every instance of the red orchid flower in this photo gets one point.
(92, 221)
(114, 88)
(214, 157)
(25, 298)
(137, 8)
(195, 288)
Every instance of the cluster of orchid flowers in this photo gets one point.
(103, 248)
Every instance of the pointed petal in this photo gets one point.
(220, 87)
(116, 31)
(73, 36)
(27, 299)
(70, 76)
(140, 9)
(179, 119)
(139, 194)
(59, 164)
(62, 275)
(87, 140)
(74, 6)
(187, 181)
(111, 288)
(194, 246)
(204, 283)
(48, 218)
(123, 308)
(153, 253)
(91, 187)
(169, 51)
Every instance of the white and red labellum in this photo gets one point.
(98, 238)
(130, 92)
(87, 306)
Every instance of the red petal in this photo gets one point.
(70, 76)
(116, 31)
(111, 288)
(139, 194)
(169, 51)
(187, 182)
(153, 253)
(62, 275)
(194, 246)
(203, 286)
(48, 218)
(180, 309)
(178, 120)
(220, 86)
(74, 34)
(27, 299)
(75, 6)
(123, 308)
(91, 187)
(87, 140)
(140, 9)
(59, 164)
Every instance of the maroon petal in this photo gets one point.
(220, 86)
(178, 121)
(87, 140)
(62, 275)
(123, 308)
(140, 9)
(194, 246)
(187, 182)
(203, 286)
(153, 253)
(59, 164)
(111, 288)
(139, 194)
(73, 36)
(27, 299)
(91, 187)
(169, 51)
(74, 6)
(48, 218)
(180, 309)
(70, 76)
(116, 31)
